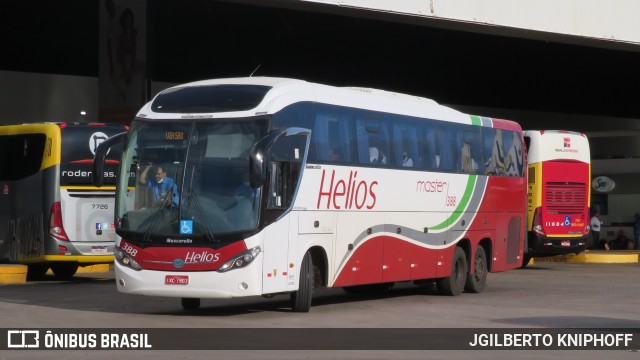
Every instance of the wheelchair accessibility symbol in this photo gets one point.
(567, 221)
(186, 226)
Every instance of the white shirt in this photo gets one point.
(595, 223)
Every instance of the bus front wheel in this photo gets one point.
(477, 280)
(64, 270)
(454, 284)
(301, 299)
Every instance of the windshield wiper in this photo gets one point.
(193, 198)
(157, 217)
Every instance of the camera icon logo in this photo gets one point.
(23, 339)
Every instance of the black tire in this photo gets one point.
(476, 281)
(454, 284)
(301, 299)
(190, 304)
(37, 271)
(64, 270)
(525, 260)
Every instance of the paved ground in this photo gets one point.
(544, 295)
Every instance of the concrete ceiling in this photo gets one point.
(542, 82)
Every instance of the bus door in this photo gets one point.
(277, 164)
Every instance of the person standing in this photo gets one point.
(596, 224)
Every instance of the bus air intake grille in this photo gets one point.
(565, 197)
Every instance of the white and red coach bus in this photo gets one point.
(559, 165)
(286, 185)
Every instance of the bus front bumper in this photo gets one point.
(189, 284)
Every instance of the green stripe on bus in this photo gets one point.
(475, 120)
(464, 202)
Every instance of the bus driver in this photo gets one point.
(163, 187)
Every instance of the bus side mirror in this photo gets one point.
(257, 169)
(260, 154)
(101, 153)
(258, 157)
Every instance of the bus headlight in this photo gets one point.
(134, 265)
(125, 260)
(241, 260)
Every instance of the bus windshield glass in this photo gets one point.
(187, 182)
(79, 142)
(209, 99)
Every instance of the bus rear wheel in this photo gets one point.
(301, 299)
(454, 284)
(64, 270)
(525, 260)
(476, 281)
(190, 304)
(37, 271)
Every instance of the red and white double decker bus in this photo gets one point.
(559, 164)
(285, 186)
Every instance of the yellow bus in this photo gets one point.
(559, 192)
(51, 215)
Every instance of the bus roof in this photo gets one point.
(284, 91)
(545, 145)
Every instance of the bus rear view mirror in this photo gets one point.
(261, 153)
(258, 157)
(101, 153)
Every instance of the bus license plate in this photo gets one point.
(565, 243)
(98, 249)
(176, 280)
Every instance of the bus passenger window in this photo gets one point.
(406, 159)
(377, 156)
(445, 146)
(334, 155)
(514, 158)
(406, 144)
(382, 158)
(494, 153)
(373, 137)
(467, 163)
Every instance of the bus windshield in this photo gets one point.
(187, 182)
(78, 148)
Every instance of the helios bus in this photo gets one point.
(51, 215)
(286, 185)
(559, 165)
